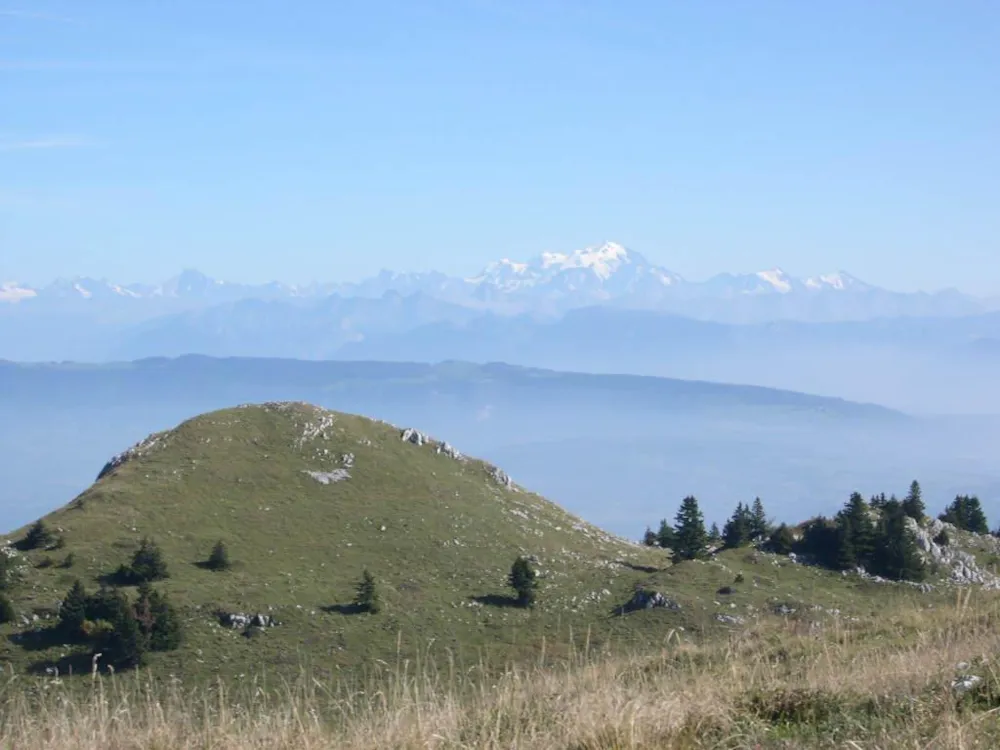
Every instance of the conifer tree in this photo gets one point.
(523, 579)
(966, 513)
(689, 531)
(861, 529)
(736, 532)
(367, 597)
(73, 610)
(147, 563)
(7, 613)
(714, 535)
(167, 631)
(127, 643)
(897, 555)
(913, 503)
(847, 557)
(759, 527)
(38, 536)
(649, 538)
(781, 541)
(665, 537)
(6, 572)
(219, 558)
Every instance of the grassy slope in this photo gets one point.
(450, 534)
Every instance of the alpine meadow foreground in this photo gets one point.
(284, 576)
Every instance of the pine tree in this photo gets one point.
(913, 503)
(966, 513)
(847, 557)
(7, 613)
(167, 632)
(665, 537)
(127, 643)
(366, 596)
(689, 531)
(781, 541)
(759, 526)
(861, 529)
(736, 532)
(147, 563)
(6, 572)
(38, 536)
(714, 535)
(897, 556)
(523, 579)
(819, 540)
(73, 611)
(107, 604)
(219, 559)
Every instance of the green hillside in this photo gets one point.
(306, 499)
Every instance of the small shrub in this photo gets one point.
(739, 578)
(726, 590)
(942, 539)
(367, 597)
(68, 561)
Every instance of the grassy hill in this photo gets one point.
(305, 499)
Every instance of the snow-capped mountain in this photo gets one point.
(550, 283)
(11, 291)
(586, 276)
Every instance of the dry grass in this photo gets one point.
(884, 683)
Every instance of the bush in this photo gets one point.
(7, 613)
(942, 539)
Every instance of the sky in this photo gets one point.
(306, 140)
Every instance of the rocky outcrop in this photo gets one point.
(501, 477)
(410, 435)
(960, 566)
(137, 450)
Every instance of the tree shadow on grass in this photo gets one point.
(344, 609)
(40, 639)
(496, 600)
(78, 662)
(639, 568)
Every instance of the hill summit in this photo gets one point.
(305, 500)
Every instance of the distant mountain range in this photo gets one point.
(549, 284)
(601, 309)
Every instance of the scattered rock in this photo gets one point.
(139, 449)
(329, 477)
(965, 683)
(236, 620)
(730, 619)
(643, 599)
(449, 450)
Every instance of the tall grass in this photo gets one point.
(880, 683)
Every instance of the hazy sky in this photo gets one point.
(324, 140)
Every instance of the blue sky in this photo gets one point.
(325, 140)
